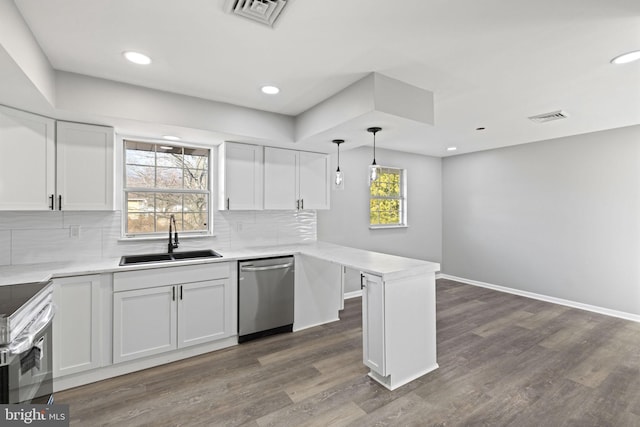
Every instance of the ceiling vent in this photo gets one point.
(548, 117)
(263, 11)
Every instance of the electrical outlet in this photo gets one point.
(74, 231)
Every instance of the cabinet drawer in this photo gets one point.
(149, 278)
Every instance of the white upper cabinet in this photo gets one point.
(240, 169)
(314, 180)
(295, 179)
(49, 165)
(27, 160)
(280, 178)
(84, 157)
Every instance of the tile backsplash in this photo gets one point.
(34, 237)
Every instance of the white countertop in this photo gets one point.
(385, 265)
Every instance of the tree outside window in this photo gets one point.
(163, 180)
(387, 198)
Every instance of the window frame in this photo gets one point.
(402, 198)
(126, 235)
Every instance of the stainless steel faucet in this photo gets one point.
(173, 245)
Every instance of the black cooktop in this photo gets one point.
(12, 297)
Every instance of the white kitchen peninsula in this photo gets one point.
(398, 305)
(399, 318)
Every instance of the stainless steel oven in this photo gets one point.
(26, 315)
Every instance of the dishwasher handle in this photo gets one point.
(251, 267)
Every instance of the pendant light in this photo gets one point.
(373, 169)
(339, 176)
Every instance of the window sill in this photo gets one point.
(386, 227)
(165, 238)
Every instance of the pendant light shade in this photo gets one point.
(339, 176)
(373, 169)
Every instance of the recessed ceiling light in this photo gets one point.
(626, 57)
(137, 57)
(171, 137)
(452, 148)
(270, 90)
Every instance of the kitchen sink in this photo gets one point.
(176, 256)
(195, 254)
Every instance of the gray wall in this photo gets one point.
(559, 218)
(347, 223)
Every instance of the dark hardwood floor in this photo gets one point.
(504, 360)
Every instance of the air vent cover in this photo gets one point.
(262, 11)
(547, 117)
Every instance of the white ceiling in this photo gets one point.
(489, 63)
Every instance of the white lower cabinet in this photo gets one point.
(76, 325)
(159, 310)
(398, 327)
(373, 323)
(202, 312)
(144, 322)
(317, 296)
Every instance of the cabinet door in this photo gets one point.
(144, 322)
(314, 180)
(27, 160)
(76, 325)
(84, 157)
(373, 325)
(280, 178)
(203, 312)
(241, 176)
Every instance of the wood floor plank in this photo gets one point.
(407, 410)
(310, 349)
(312, 413)
(497, 325)
(301, 390)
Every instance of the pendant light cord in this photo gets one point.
(374, 130)
(338, 142)
(374, 147)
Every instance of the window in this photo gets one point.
(162, 180)
(387, 199)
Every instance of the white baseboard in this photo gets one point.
(353, 294)
(560, 301)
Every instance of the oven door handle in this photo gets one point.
(25, 341)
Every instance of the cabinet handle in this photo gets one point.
(362, 286)
(173, 293)
(51, 202)
(228, 203)
(298, 204)
(181, 292)
(60, 202)
(301, 203)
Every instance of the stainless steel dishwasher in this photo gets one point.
(265, 297)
